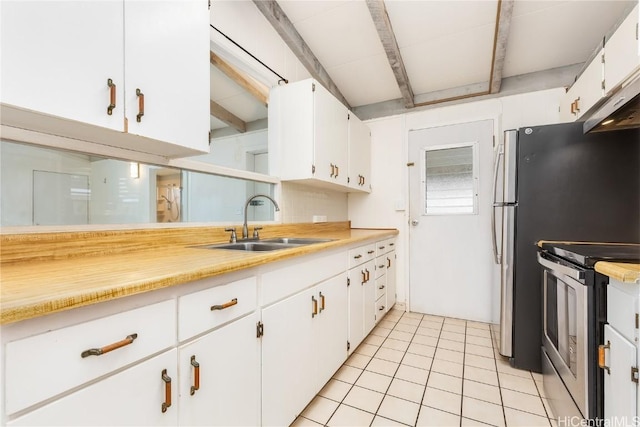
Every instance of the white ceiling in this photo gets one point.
(445, 45)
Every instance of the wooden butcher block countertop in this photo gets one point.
(44, 273)
(622, 271)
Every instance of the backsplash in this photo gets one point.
(300, 203)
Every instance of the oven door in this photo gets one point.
(565, 326)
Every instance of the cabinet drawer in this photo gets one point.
(204, 310)
(381, 307)
(381, 266)
(381, 287)
(384, 246)
(361, 254)
(286, 281)
(44, 365)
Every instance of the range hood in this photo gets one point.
(620, 111)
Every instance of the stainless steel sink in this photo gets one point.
(250, 246)
(266, 245)
(296, 240)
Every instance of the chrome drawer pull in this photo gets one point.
(107, 348)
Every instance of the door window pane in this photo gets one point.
(449, 180)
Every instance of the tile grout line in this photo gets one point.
(429, 374)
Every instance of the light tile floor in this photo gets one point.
(423, 370)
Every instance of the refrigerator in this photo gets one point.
(555, 183)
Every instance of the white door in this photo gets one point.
(449, 236)
(226, 366)
(619, 390)
(134, 396)
(331, 133)
(166, 58)
(57, 58)
(331, 327)
(288, 371)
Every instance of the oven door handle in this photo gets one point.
(567, 271)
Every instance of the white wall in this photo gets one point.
(386, 205)
(299, 203)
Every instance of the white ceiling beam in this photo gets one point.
(388, 38)
(219, 112)
(258, 91)
(284, 27)
(501, 36)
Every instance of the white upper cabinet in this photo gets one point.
(73, 69)
(166, 59)
(622, 53)
(309, 137)
(586, 92)
(57, 57)
(359, 155)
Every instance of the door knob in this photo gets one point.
(414, 222)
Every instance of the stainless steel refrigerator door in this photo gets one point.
(507, 280)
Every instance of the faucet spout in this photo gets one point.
(245, 228)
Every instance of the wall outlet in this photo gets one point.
(319, 218)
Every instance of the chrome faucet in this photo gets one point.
(245, 228)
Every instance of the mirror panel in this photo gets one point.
(43, 186)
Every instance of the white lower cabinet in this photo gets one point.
(219, 381)
(141, 395)
(304, 343)
(330, 329)
(391, 279)
(249, 351)
(620, 358)
(620, 398)
(287, 354)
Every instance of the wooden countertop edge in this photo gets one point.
(23, 310)
(624, 272)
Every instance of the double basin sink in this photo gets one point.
(255, 245)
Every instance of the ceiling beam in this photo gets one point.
(500, 38)
(258, 91)
(219, 112)
(388, 38)
(284, 27)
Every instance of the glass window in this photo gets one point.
(450, 176)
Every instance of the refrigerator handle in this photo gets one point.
(494, 238)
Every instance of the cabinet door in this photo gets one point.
(330, 137)
(57, 57)
(585, 92)
(619, 391)
(288, 369)
(357, 277)
(331, 328)
(131, 397)
(166, 58)
(359, 155)
(369, 297)
(622, 53)
(228, 361)
(391, 279)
